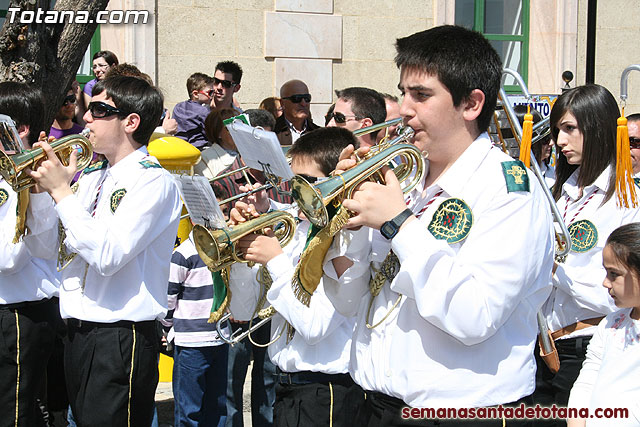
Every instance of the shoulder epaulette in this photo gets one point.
(149, 164)
(96, 166)
(637, 181)
(515, 175)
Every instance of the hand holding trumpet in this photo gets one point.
(260, 248)
(52, 175)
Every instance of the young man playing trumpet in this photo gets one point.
(462, 264)
(310, 343)
(120, 226)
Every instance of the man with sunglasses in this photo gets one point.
(226, 82)
(296, 118)
(633, 124)
(63, 124)
(119, 230)
(190, 114)
(357, 108)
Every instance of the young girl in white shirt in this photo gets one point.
(609, 375)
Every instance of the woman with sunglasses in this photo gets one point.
(102, 61)
(583, 127)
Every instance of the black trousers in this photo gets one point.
(111, 372)
(27, 332)
(382, 410)
(555, 388)
(314, 399)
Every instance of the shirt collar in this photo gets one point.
(455, 179)
(573, 191)
(120, 169)
(293, 129)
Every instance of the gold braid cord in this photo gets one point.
(264, 278)
(64, 257)
(388, 271)
(21, 215)
(309, 270)
(216, 315)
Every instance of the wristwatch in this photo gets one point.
(390, 228)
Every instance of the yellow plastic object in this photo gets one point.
(174, 154)
(165, 368)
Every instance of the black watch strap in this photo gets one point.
(390, 228)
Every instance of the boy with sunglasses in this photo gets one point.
(117, 233)
(296, 118)
(357, 108)
(226, 82)
(190, 114)
(63, 124)
(633, 124)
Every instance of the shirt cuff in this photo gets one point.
(68, 209)
(279, 266)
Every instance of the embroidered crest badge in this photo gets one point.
(96, 167)
(515, 175)
(637, 181)
(116, 198)
(584, 235)
(4, 196)
(149, 164)
(452, 221)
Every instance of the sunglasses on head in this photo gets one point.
(296, 99)
(634, 142)
(71, 99)
(341, 118)
(100, 110)
(225, 83)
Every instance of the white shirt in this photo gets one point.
(22, 277)
(609, 375)
(123, 254)
(322, 340)
(578, 293)
(463, 333)
(213, 160)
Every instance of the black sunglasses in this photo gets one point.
(634, 142)
(100, 110)
(297, 99)
(309, 179)
(340, 118)
(71, 99)
(225, 83)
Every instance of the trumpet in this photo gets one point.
(13, 167)
(217, 248)
(239, 334)
(313, 199)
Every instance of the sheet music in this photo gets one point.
(260, 150)
(200, 201)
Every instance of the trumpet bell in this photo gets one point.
(13, 167)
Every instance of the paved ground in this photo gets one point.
(164, 402)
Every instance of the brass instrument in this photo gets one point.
(217, 247)
(239, 334)
(13, 167)
(313, 199)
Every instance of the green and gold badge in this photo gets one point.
(515, 175)
(4, 196)
(584, 235)
(452, 221)
(116, 198)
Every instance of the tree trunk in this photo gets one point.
(46, 55)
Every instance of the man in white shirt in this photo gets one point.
(28, 285)
(451, 316)
(121, 225)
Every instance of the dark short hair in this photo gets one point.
(197, 81)
(126, 69)
(213, 123)
(461, 59)
(231, 67)
(25, 105)
(134, 95)
(635, 117)
(389, 97)
(596, 112)
(625, 243)
(261, 118)
(108, 56)
(323, 146)
(365, 102)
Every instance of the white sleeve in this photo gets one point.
(13, 256)
(313, 323)
(471, 293)
(148, 208)
(584, 284)
(42, 220)
(583, 386)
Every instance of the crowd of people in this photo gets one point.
(428, 298)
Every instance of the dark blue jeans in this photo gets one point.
(199, 385)
(263, 379)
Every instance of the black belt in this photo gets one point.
(310, 377)
(24, 304)
(577, 346)
(87, 325)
